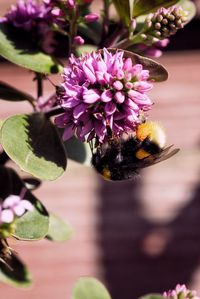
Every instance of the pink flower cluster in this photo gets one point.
(102, 90)
(182, 292)
(13, 206)
(25, 14)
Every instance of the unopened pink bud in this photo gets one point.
(71, 4)
(133, 24)
(78, 40)
(92, 17)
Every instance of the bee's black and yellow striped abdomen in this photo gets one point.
(122, 158)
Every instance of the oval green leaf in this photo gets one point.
(12, 270)
(188, 6)
(90, 288)
(59, 230)
(142, 7)
(152, 296)
(33, 143)
(123, 10)
(10, 93)
(19, 52)
(157, 72)
(33, 225)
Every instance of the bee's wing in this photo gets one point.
(164, 155)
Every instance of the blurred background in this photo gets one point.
(137, 237)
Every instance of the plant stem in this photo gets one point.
(129, 42)
(39, 80)
(105, 24)
(73, 31)
(114, 38)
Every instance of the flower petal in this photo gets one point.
(10, 201)
(79, 110)
(90, 96)
(119, 97)
(27, 204)
(106, 96)
(110, 108)
(89, 74)
(68, 133)
(7, 216)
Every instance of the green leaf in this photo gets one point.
(59, 230)
(85, 49)
(12, 270)
(1, 123)
(157, 72)
(78, 151)
(18, 51)
(142, 7)
(90, 288)
(188, 6)
(33, 143)
(152, 296)
(33, 225)
(124, 10)
(10, 93)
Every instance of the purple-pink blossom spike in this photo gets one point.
(102, 89)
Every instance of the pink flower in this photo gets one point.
(78, 40)
(182, 292)
(102, 90)
(13, 206)
(92, 17)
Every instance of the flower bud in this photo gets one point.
(78, 40)
(133, 24)
(181, 292)
(165, 22)
(71, 4)
(92, 17)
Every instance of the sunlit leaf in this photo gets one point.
(142, 7)
(33, 143)
(33, 225)
(85, 49)
(10, 93)
(59, 230)
(18, 51)
(1, 123)
(189, 7)
(90, 288)
(152, 296)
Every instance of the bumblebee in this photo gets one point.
(122, 158)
